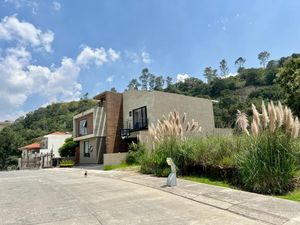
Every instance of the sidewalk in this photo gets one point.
(266, 209)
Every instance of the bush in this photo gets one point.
(213, 156)
(269, 162)
(68, 148)
(136, 151)
(268, 165)
(66, 163)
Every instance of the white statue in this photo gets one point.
(171, 180)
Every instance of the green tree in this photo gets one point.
(68, 148)
(289, 79)
(159, 83)
(134, 84)
(240, 62)
(224, 68)
(168, 81)
(151, 81)
(263, 58)
(113, 89)
(210, 74)
(9, 143)
(144, 79)
(85, 96)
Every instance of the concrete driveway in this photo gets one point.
(65, 196)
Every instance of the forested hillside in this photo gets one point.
(277, 80)
(55, 117)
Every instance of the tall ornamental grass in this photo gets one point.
(268, 162)
(181, 139)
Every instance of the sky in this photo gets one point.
(56, 51)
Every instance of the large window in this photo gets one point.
(140, 118)
(86, 149)
(82, 127)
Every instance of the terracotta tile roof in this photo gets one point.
(31, 146)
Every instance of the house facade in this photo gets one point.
(51, 143)
(98, 130)
(31, 150)
(120, 118)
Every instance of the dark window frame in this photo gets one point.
(83, 129)
(144, 124)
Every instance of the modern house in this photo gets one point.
(98, 129)
(120, 118)
(50, 143)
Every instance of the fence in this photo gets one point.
(35, 162)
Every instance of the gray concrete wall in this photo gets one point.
(99, 122)
(114, 158)
(199, 109)
(96, 156)
(162, 103)
(135, 99)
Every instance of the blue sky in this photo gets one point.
(58, 50)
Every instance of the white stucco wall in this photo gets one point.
(55, 142)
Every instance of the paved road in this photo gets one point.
(62, 196)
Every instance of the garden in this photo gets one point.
(262, 155)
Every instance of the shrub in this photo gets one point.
(213, 156)
(68, 148)
(269, 161)
(136, 151)
(269, 164)
(66, 163)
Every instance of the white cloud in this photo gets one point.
(138, 57)
(33, 5)
(12, 29)
(110, 79)
(113, 55)
(230, 75)
(182, 77)
(20, 79)
(96, 56)
(146, 57)
(56, 6)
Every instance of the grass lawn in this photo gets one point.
(293, 196)
(122, 166)
(206, 180)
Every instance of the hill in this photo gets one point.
(279, 81)
(55, 117)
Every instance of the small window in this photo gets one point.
(130, 113)
(86, 149)
(83, 127)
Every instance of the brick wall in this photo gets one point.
(114, 122)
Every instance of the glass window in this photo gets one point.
(86, 149)
(83, 127)
(140, 118)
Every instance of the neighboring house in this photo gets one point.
(30, 151)
(5, 124)
(120, 117)
(50, 143)
(98, 130)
